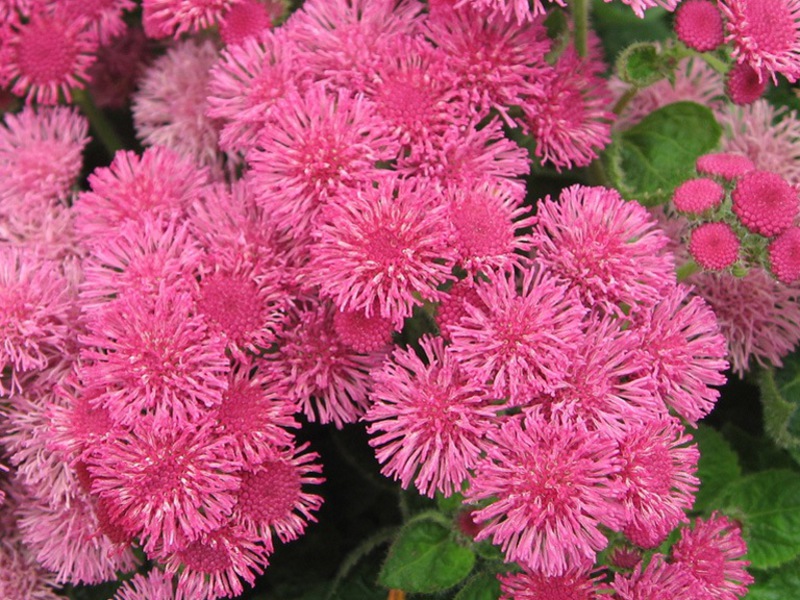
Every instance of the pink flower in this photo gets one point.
(21, 575)
(552, 490)
(568, 118)
(382, 248)
(725, 165)
(169, 106)
(659, 476)
(610, 250)
(574, 585)
(698, 24)
(153, 355)
(164, 18)
(327, 380)
(247, 18)
(685, 351)
(784, 255)
(658, 581)
(697, 196)
(156, 584)
(765, 202)
(521, 9)
(272, 498)
(765, 34)
(428, 421)
(166, 485)
(712, 553)
(714, 246)
(743, 84)
(118, 67)
(47, 55)
(105, 18)
(639, 6)
(758, 315)
(521, 339)
(453, 305)
(362, 333)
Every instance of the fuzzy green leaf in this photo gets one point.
(780, 397)
(779, 584)
(483, 586)
(718, 465)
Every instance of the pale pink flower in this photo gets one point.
(714, 246)
(608, 249)
(210, 567)
(153, 355)
(521, 339)
(159, 182)
(167, 486)
(156, 585)
(319, 145)
(21, 575)
(639, 6)
(765, 34)
(428, 422)
(272, 495)
(685, 351)
(658, 472)
(47, 55)
(326, 379)
(552, 491)
(169, 106)
(574, 585)
(164, 18)
(712, 553)
(758, 315)
(383, 249)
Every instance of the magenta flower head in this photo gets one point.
(427, 420)
(698, 24)
(697, 196)
(552, 489)
(765, 202)
(156, 584)
(714, 246)
(574, 585)
(165, 18)
(744, 85)
(521, 339)
(725, 165)
(784, 256)
(659, 580)
(381, 248)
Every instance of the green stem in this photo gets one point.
(712, 61)
(101, 126)
(625, 99)
(687, 270)
(580, 15)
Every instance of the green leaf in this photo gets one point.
(642, 64)
(717, 467)
(424, 559)
(483, 586)
(649, 160)
(618, 27)
(778, 584)
(768, 506)
(780, 397)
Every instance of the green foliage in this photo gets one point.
(718, 466)
(779, 584)
(483, 586)
(425, 559)
(618, 27)
(649, 160)
(780, 397)
(767, 504)
(642, 64)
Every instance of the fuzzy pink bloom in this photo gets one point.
(714, 246)
(485, 219)
(685, 352)
(245, 19)
(496, 61)
(765, 34)
(768, 136)
(765, 202)
(166, 485)
(159, 182)
(47, 55)
(381, 248)
(272, 497)
(319, 145)
(696, 196)
(520, 9)
(698, 24)
(569, 119)
(339, 39)
(105, 18)
(552, 486)
(712, 552)
(153, 355)
(659, 475)
(609, 249)
(41, 154)
(210, 567)
(726, 166)
(574, 585)
(759, 316)
(247, 82)
(658, 581)
(784, 256)
(362, 333)
(254, 416)
(520, 340)
(21, 575)
(36, 312)
(137, 260)
(428, 421)
(169, 105)
(164, 18)
(453, 305)
(156, 585)
(66, 539)
(327, 380)
(743, 84)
